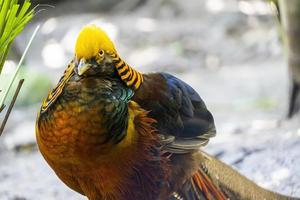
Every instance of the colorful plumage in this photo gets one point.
(110, 132)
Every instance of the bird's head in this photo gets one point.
(93, 52)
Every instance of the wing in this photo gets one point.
(183, 119)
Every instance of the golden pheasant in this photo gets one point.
(110, 132)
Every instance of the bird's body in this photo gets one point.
(110, 132)
(78, 138)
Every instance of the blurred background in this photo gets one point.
(230, 51)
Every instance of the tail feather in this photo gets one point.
(200, 187)
(208, 187)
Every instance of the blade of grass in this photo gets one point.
(13, 18)
(3, 14)
(24, 9)
(4, 55)
(3, 97)
(10, 21)
(1, 3)
(2, 107)
(11, 105)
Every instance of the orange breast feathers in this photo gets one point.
(80, 157)
(74, 132)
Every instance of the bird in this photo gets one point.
(111, 132)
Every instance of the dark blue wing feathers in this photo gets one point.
(196, 118)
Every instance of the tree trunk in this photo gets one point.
(290, 18)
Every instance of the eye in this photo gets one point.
(100, 56)
(101, 52)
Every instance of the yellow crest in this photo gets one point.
(90, 40)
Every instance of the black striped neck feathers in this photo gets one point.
(131, 77)
(54, 94)
(94, 44)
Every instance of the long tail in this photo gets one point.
(217, 181)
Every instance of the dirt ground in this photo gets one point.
(229, 52)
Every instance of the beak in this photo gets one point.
(83, 66)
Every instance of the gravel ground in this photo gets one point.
(230, 55)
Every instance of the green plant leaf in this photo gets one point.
(13, 19)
